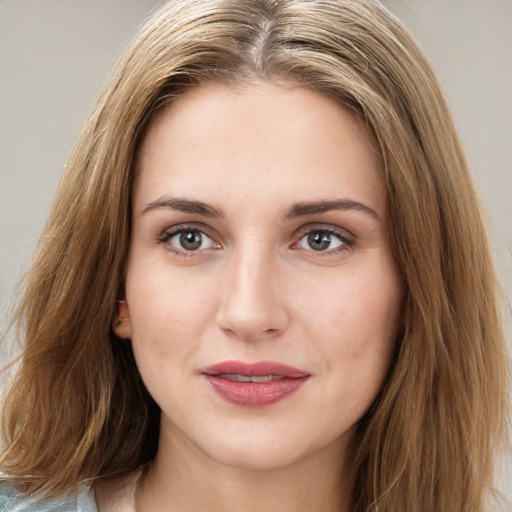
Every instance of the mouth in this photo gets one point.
(254, 384)
(246, 378)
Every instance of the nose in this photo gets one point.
(253, 304)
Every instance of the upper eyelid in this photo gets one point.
(167, 234)
(192, 226)
(318, 226)
(165, 237)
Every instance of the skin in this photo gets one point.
(254, 290)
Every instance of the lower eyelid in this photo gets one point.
(166, 236)
(180, 254)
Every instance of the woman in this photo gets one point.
(265, 282)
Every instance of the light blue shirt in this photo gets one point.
(12, 501)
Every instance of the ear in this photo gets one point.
(121, 323)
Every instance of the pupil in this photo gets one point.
(191, 240)
(319, 240)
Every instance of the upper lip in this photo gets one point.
(258, 369)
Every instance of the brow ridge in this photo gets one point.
(314, 207)
(183, 205)
(300, 209)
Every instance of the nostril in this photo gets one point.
(251, 334)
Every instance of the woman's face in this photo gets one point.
(262, 297)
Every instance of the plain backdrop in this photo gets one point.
(55, 55)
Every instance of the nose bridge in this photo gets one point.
(252, 306)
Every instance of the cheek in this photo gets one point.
(168, 310)
(355, 305)
(167, 317)
(354, 321)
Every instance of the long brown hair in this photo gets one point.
(77, 408)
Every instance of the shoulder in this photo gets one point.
(11, 500)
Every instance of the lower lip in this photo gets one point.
(254, 394)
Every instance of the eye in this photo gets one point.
(323, 240)
(187, 240)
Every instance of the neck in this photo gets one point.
(184, 478)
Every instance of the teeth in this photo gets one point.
(246, 378)
(266, 378)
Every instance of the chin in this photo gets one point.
(258, 458)
(258, 452)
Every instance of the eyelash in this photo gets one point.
(347, 239)
(167, 236)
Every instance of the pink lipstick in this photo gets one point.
(254, 384)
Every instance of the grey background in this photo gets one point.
(55, 55)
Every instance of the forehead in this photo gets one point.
(257, 139)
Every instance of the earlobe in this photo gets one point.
(121, 322)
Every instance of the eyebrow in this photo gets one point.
(311, 208)
(301, 209)
(184, 205)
